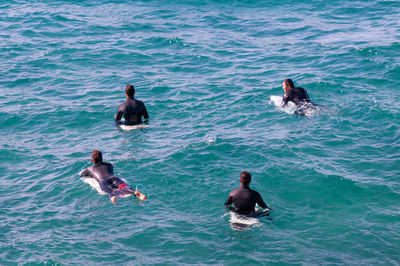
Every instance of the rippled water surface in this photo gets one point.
(206, 71)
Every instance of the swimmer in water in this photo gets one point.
(104, 174)
(131, 109)
(294, 94)
(244, 199)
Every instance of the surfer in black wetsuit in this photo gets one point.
(298, 95)
(244, 199)
(104, 174)
(131, 109)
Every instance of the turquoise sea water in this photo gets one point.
(206, 71)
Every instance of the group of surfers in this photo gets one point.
(243, 199)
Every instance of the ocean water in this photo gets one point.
(206, 71)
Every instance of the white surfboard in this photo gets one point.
(289, 108)
(276, 100)
(127, 127)
(241, 222)
(93, 184)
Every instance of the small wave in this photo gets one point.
(195, 145)
(211, 140)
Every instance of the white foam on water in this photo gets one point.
(211, 140)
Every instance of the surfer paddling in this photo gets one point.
(297, 95)
(104, 174)
(244, 199)
(131, 109)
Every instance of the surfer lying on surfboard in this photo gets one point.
(104, 174)
(299, 97)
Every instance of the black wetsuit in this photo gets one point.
(99, 171)
(244, 199)
(104, 174)
(132, 110)
(297, 95)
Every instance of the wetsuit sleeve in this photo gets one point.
(111, 168)
(228, 202)
(260, 201)
(85, 172)
(145, 114)
(287, 97)
(119, 114)
(306, 94)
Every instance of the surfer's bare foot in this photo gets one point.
(143, 197)
(140, 195)
(113, 200)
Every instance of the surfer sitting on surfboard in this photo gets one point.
(244, 199)
(104, 174)
(131, 109)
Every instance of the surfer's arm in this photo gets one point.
(118, 116)
(110, 169)
(306, 94)
(228, 203)
(85, 173)
(145, 113)
(261, 202)
(288, 97)
(119, 113)
(285, 99)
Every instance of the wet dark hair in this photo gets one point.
(245, 178)
(130, 90)
(97, 157)
(289, 82)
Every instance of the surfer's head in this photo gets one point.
(287, 85)
(97, 157)
(130, 91)
(245, 178)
